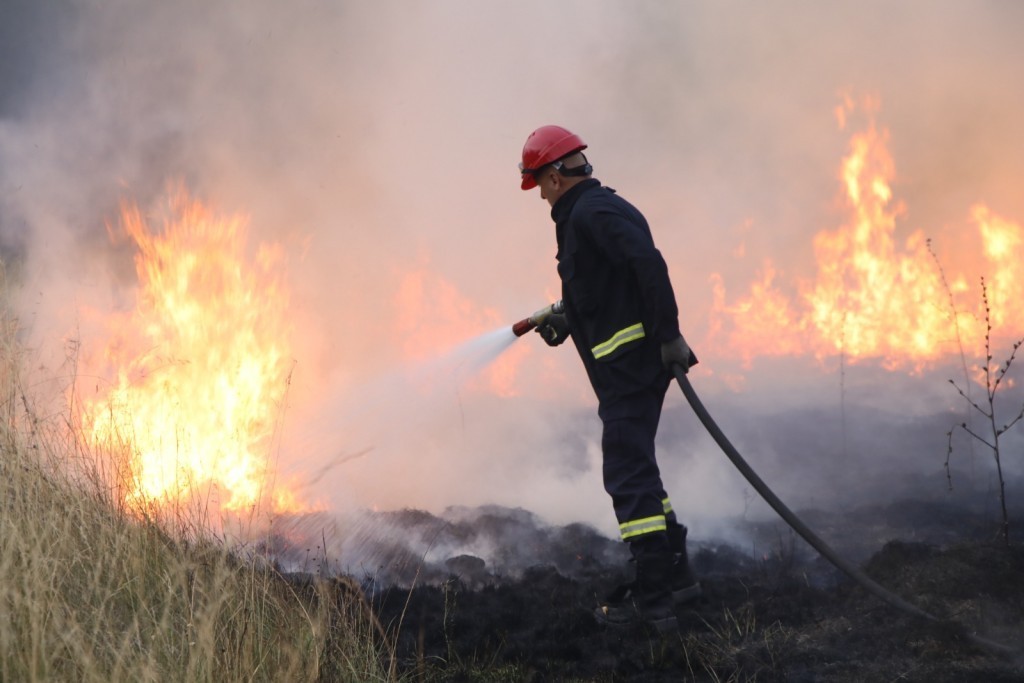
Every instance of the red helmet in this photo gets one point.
(546, 145)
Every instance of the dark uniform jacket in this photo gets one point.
(618, 298)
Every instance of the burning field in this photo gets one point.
(261, 268)
(198, 369)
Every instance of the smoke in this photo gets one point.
(378, 141)
(413, 547)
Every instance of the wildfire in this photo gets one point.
(871, 297)
(201, 363)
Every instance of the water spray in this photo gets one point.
(538, 318)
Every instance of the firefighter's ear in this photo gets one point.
(554, 177)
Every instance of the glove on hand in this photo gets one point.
(676, 352)
(554, 329)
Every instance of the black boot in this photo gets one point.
(647, 600)
(685, 587)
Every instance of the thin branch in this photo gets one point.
(949, 454)
(968, 399)
(1005, 368)
(988, 342)
(1014, 421)
(976, 436)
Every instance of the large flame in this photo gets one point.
(201, 364)
(871, 297)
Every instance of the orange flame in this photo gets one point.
(871, 298)
(202, 363)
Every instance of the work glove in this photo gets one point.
(554, 330)
(677, 352)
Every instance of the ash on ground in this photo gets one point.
(773, 610)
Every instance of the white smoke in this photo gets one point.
(373, 138)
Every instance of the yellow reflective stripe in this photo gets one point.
(642, 526)
(623, 336)
(667, 504)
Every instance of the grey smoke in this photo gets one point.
(373, 138)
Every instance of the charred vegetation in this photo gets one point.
(772, 611)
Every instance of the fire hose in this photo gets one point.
(812, 538)
(866, 582)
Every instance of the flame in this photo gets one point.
(872, 297)
(201, 363)
(1002, 244)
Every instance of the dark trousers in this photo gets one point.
(631, 475)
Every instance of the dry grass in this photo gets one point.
(89, 592)
(736, 648)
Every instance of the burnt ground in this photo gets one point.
(780, 614)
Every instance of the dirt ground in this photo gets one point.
(784, 615)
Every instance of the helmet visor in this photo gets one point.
(528, 176)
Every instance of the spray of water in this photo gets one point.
(396, 408)
(373, 428)
(470, 358)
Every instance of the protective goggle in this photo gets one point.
(585, 169)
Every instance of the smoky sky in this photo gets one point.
(375, 140)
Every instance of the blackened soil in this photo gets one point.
(763, 619)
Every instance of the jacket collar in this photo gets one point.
(563, 207)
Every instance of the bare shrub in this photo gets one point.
(994, 426)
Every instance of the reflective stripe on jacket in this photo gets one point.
(618, 297)
(623, 336)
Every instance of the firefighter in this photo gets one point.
(620, 312)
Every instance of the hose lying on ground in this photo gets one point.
(857, 575)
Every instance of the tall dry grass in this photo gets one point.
(90, 592)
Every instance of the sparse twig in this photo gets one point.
(955, 315)
(990, 438)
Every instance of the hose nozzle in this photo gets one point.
(538, 318)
